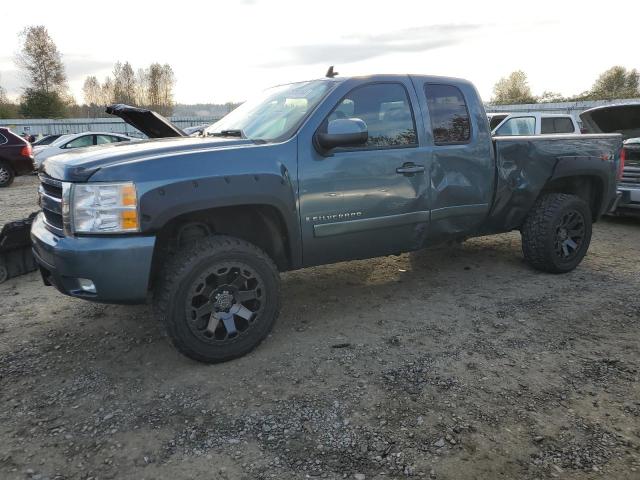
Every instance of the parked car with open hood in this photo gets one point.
(625, 120)
(68, 142)
(16, 157)
(305, 174)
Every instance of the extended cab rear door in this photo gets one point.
(462, 161)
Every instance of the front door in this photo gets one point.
(367, 200)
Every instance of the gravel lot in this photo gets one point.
(448, 364)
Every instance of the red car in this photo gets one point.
(16, 157)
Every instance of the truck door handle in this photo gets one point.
(410, 169)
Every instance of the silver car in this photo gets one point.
(76, 140)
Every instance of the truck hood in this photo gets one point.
(152, 124)
(79, 164)
(624, 119)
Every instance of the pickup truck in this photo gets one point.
(305, 174)
(625, 120)
(532, 123)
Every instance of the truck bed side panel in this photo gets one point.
(526, 165)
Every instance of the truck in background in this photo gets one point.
(625, 120)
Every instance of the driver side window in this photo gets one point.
(385, 108)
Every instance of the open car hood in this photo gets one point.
(624, 119)
(152, 124)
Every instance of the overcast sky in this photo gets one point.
(225, 50)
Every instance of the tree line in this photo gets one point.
(150, 87)
(46, 94)
(615, 83)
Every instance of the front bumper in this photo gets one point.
(118, 266)
(629, 197)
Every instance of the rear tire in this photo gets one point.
(557, 232)
(218, 298)
(6, 175)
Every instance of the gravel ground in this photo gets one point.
(445, 364)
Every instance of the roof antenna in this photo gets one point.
(330, 73)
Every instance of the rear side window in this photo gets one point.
(102, 139)
(518, 126)
(386, 110)
(3, 139)
(449, 114)
(556, 125)
(84, 141)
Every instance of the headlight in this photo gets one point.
(103, 208)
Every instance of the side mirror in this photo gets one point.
(343, 132)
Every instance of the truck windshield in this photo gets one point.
(273, 115)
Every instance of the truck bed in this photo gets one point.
(526, 164)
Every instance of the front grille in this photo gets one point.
(631, 175)
(50, 199)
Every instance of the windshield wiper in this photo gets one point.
(228, 133)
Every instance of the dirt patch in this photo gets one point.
(451, 364)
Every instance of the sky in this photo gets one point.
(228, 50)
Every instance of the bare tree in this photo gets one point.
(107, 92)
(151, 87)
(128, 84)
(167, 82)
(41, 61)
(154, 82)
(142, 87)
(92, 92)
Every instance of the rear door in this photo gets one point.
(462, 167)
(366, 200)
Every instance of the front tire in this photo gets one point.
(6, 175)
(557, 232)
(218, 298)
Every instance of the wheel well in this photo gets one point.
(261, 225)
(588, 188)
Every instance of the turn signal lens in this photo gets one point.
(129, 219)
(128, 192)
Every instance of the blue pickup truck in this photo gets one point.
(305, 174)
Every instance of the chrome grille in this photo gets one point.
(50, 200)
(631, 175)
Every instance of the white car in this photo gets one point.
(76, 140)
(532, 123)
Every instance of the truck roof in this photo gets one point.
(388, 76)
